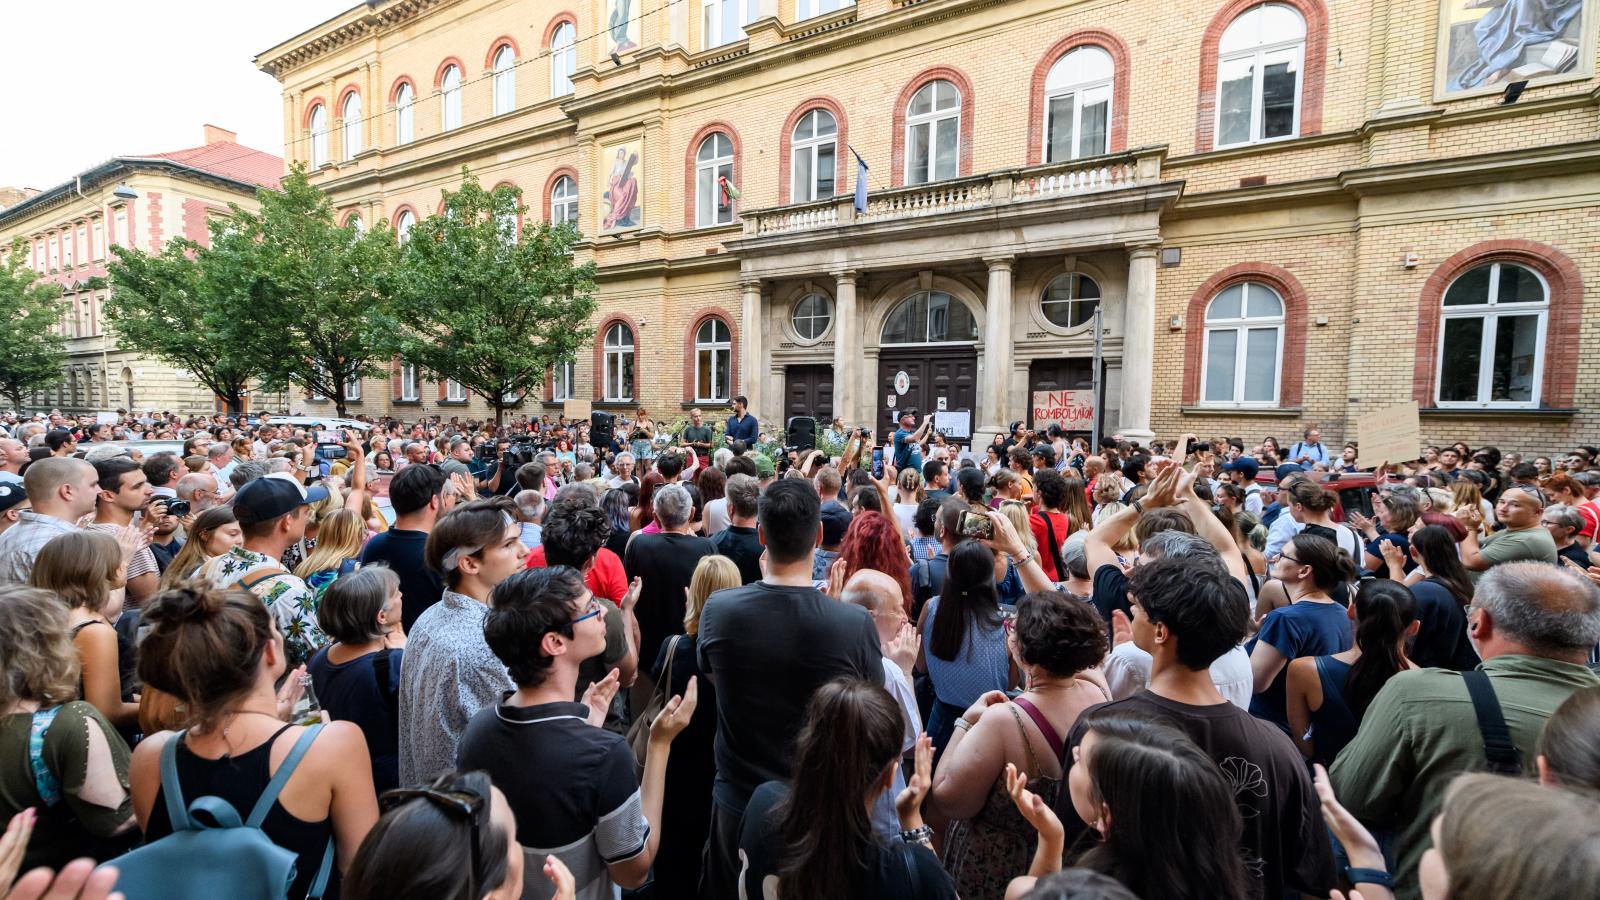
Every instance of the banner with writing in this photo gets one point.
(1072, 410)
(1392, 435)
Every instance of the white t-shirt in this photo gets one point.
(715, 516)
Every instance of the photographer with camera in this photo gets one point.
(908, 440)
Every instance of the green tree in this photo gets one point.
(304, 299)
(168, 305)
(489, 307)
(31, 354)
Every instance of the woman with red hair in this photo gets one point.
(644, 515)
(873, 542)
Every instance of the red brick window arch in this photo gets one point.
(560, 198)
(711, 347)
(1078, 101)
(616, 359)
(944, 110)
(1497, 327)
(812, 152)
(318, 125)
(404, 98)
(712, 159)
(1262, 66)
(1245, 339)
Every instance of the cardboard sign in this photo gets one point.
(955, 426)
(1072, 410)
(576, 409)
(106, 418)
(1389, 435)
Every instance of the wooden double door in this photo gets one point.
(950, 373)
(808, 391)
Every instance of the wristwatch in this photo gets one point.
(1363, 876)
(923, 834)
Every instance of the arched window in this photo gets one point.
(404, 98)
(450, 100)
(1078, 100)
(713, 362)
(1070, 300)
(505, 80)
(812, 316)
(563, 59)
(813, 157)
(929, 317)
(1243, 346)
(619, 363)
(403, 224)
(355, 222)
(713, 163)
(933, 133)
(564, 201)
(1491, 349)
(1259, 63)
(319, 136)
(351, 135)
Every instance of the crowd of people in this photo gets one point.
(455, 660)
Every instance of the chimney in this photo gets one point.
(215, 134)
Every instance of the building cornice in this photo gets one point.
(362, 21)
(68, 191)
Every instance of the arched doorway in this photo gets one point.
(931, 336)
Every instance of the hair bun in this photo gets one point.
(187, 601)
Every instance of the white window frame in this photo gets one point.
(405, 108)
(319, 136)
(812, 147)
(504, 82)
(1257, 55)
(930, 121)
(1080, 91)
(119, 228)
(55, 252)
(795, 318)
(1072, 303)
(615, 354)
(352, 389)
(69, 243)
(455, 391)
(350, 114)
(98, 239)
(807, 9)
(927, 321)
(408, 383)
(564, 201)
(355, 222)
(450, 98)
(403, 223)
(719, 350)
(1242, 326)
(707, 209)
(713, 20)
(563, 59)
(563, 378)
(1491, 313)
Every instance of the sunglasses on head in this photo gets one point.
(461, 805)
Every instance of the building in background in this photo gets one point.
(1287, 212)
(130, 201)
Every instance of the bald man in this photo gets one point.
(200, 490)
(882, 598)
(61, 491)
(13, 454)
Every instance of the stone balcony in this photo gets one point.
(995, 192)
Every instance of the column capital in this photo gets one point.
(747, 285)
(999, 262)
(1143, 251)
(842, 275)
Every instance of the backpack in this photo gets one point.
(211, 854)
(927, 579)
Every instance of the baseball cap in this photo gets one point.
(11, 493)
(264, 499)
(765, 467)
(1287, 469)
(835, 522)
(1245, 464)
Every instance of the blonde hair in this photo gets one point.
(909, 485)
(78, 567)
(37, 657)
(193, 555)
(1508, 837)
(1104, 511)
(338, 539)
(1017, 514)
(714, 573)
(1465, 494)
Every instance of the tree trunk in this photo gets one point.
(499, 409)
(338, 398)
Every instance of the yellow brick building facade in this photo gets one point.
(1288, 212)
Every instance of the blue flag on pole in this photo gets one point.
(861, 181)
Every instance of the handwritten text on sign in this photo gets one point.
(1069, 409)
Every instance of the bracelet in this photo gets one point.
(1138, 506)
(1023, 560)
(1361, 876)
(962, 724)
(922, 834)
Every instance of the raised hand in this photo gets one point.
(1033, 808)
(561, 877)
(1358, 842)
(675, 716)
(908, 805)
(903, 649)
(598, 697)
(1121, 628)
(14, 843)
(78, 880)
(631, 599)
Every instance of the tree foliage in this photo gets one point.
(168, 306)
(31, 353)
(303, 298)
(487, 305)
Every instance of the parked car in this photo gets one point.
(1355, 490)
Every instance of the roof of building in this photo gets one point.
(230, 160)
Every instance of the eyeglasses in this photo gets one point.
(593, 609)
(1282, 555)
(467, 805)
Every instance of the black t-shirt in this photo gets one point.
(666, 562)
(1441, 641)
(1110, 591)
(768, 648)
(570, 785)
(743, 546)
(401, 550)
(1571, 551)
(893, 871)
(1285, 840)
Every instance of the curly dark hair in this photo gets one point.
(1061, 634)
(522, 610)
(573, 534)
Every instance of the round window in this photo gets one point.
(812, 316)
(1070, 300)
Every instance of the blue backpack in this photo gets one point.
(210, 854)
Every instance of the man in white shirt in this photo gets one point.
(1242, 472)
(881, 597)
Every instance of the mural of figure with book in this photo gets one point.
(1485, 43)
(621, 197)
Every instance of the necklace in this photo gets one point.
(233, 717)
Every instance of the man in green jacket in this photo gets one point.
(1533, 626)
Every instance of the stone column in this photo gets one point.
(995, 382)
(1138, 345)
(847, 402)
(751, 349)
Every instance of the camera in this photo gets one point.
(330, 444)
(976, 525)
(179, 508)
